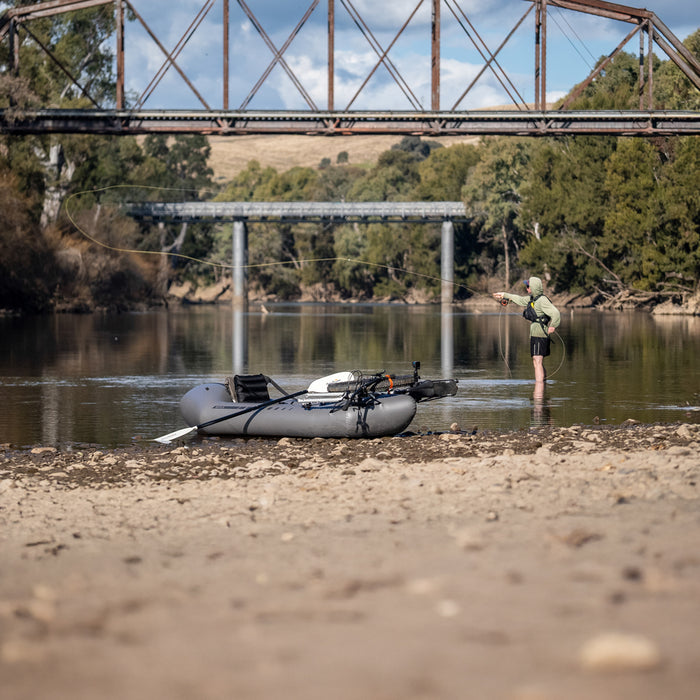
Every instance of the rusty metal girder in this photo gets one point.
(278, 54)
(524, 119)
(231, 123)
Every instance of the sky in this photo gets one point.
(575, 42)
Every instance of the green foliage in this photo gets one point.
(677, 229)
(414, 146)
(606, 214)
(617, 87)
(294, 185)
(80, 41)
(391, 179)
(184, 162)
(492, 195)
(629, 246)
(444, 172)
(672, 89)
(564, 207)
(23, 252)
(353, 279)
(334, 183)
(245, 185)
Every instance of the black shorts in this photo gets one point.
(539, 346)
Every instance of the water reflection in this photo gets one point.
(240, 341)
(541, 408)
(447, 341)
(106, 379)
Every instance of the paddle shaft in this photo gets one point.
(256, 407)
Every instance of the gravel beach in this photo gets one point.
(544, 564)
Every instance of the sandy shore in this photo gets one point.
(557, 563)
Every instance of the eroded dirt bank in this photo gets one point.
(546, 564)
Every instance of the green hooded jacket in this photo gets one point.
(543, 307)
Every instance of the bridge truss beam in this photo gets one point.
(516, 123)
(434, 119)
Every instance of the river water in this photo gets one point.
(112, 380)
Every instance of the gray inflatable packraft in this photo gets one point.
(382, 415)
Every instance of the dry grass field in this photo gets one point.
(231, 154)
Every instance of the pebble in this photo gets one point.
(423, 586)
(469, 540)
(611, 651)
(369, 464)
(42, 450)
(447, 608)
(15, 651)
(684, 431)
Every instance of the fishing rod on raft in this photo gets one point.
(227, 266)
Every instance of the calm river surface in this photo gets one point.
(110, 380)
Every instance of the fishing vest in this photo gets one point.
(531, 315)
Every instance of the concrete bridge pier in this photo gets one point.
(447, 262)
(240, 261)
(239, 284)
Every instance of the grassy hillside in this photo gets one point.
(231, 154)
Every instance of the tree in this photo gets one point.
(629, 247)
(79, 41)
(391, 180)
(677, 226)
(616, 87)
(23, 251)
(492, 194)
(672, 89)
(444, 172)
(564, 207)
(184, 159)
(414, 146)
(247, 183)
(335, 183)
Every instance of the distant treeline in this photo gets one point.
(597, 215)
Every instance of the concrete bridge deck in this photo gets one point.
(242, 213)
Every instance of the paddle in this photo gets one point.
(179, 434)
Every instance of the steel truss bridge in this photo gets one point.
(532, 118)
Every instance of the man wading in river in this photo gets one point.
(544, 318)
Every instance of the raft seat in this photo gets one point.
(248, 388)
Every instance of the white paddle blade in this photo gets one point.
(177, 435)
(320, 386)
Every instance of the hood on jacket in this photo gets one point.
(536, 287)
